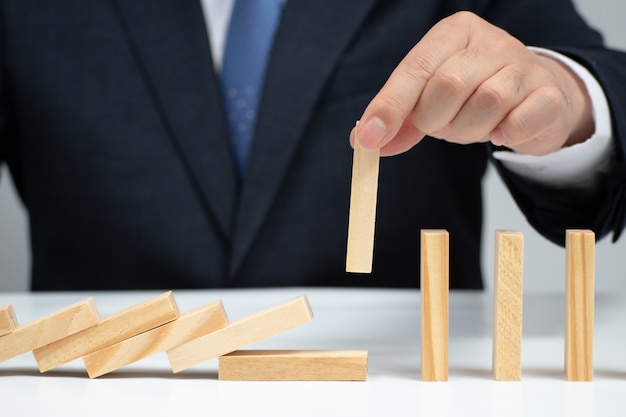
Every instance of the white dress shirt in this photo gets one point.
(574, 166)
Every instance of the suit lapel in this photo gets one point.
(171, 44)
(309, 41)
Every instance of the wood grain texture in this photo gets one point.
(294, 365)
(190, 325)
(8, 321)
(241, 333)
(507, 305)
(49, 329)
(362, 217)
(113, 329)
(434, 285)
(579, 304)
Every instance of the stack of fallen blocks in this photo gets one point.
(189, 339)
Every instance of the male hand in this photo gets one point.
(468, 81)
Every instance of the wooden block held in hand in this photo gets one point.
(241, 333)
(190, 325)
(51, 328)
(435, 293)
(294, 365)
(115, 328)
(8, 321)
(579, 307)
(507, 306)
(362, 217)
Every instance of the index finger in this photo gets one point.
(386, 113)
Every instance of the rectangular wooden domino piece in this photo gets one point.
(190, 325)
(115, 328)
(8, 321)
(362, 216)
(294, 365)
(507, 306)
(579, 304)
(241, 333)
(49, 329)
(434, 286)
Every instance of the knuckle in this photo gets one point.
(507, 44)
(517, 124)
(420, 68)
(498, 96)
(552, 98)
(391, 103)
(462, 18)
(449, 83)
(424, 123)
(490, 98)
(515, 75)
(546, 107)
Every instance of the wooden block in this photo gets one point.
(435, 293)
(507, 305)
(113, 329)
(362, 217)
(8, 321)
(241, 333)
(63, 323)
(579, 304)
(188, 326)
(294, 365)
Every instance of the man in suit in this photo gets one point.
(114, 130)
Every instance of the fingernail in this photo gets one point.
(372, 134)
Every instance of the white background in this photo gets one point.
(544, 262)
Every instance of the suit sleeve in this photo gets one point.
(4, 118)
(8, 147)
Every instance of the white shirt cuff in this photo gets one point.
(576, 165)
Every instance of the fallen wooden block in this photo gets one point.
(188, 326)
(579, 304)
(51, 328)
(113, 329)
(434, 289)
(241, 333)
(8, 321)
(362, 217)
(507, 305)
(293, 365)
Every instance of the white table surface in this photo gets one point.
(384, 322)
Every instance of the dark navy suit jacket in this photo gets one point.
(113, 129)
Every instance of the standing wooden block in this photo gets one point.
(294, 365)
(362, 218)
(507, 305)
(579, 304)
(188, 326)
(435, 291)
(8, 321)
(127, 323)
(49, 329)
(241, 333)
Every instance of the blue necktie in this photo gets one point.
(248, 42)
